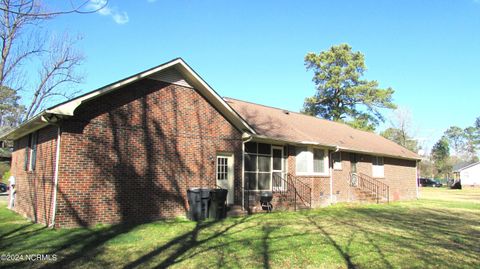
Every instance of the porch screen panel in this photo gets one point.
(250, 181)
(257, 166)
(264, 163)
(277, 166)
(264, 181)
(277, 159)
(277, 181)
(250, 162)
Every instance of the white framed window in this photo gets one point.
(337, 160)
(311, 161)
(377, 167)
(222, 168)
(32, 145)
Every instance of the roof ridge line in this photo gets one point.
(299, 113)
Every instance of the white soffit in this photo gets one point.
(172, 76)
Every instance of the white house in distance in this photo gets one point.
(469, 174)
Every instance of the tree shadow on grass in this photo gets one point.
(183, 244)
(427, 230)
(70, 245)
(22, 227)
(75, 247)
(331, 240)
(425, 236)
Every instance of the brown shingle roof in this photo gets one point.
(285, 125)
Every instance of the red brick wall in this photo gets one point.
(130, 156)
(341, 180)
(399, 175)
(320, 185)
(35, 188)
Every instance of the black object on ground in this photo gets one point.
(218, 204)
(198, 199)
(266, 200)
(3, 187)
(457, 185)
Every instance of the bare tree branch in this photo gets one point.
(57, 72)
(22, 42)
(27, 6)
(15, 46)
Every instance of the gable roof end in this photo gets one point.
(67, 109)
(463, 166)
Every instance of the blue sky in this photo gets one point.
(428, 51)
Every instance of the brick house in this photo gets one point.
(128, 152)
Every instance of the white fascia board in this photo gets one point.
(68, 108)
(27, 127)
(379, 154)
(466, 167)
(317, 144)
(263, 138)
(198, 83)
(333, 147)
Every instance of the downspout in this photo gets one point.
(416, 179)
(55, 177)
(330, 160)
(249, 138)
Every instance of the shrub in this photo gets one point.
(5, 172)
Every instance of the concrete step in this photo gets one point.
(302, 207)
(368, 197)
(236, 211)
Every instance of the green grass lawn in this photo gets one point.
(440, 231)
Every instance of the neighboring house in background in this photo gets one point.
(468, 173)
(130, 150)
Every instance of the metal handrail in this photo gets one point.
(293, 190)
(369, 184)
(287, 189)
(303, 190)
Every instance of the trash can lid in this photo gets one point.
(266, 194)
(205, 192)
(196, 189)
(219, 190)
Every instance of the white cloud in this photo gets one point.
(120, 17)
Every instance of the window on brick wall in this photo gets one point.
(27, 153)
(31, 152)
(377, 166)
(311, 161)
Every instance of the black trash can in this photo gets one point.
(194, 202)
(218, 203)
(205, 201)
(198, 201)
